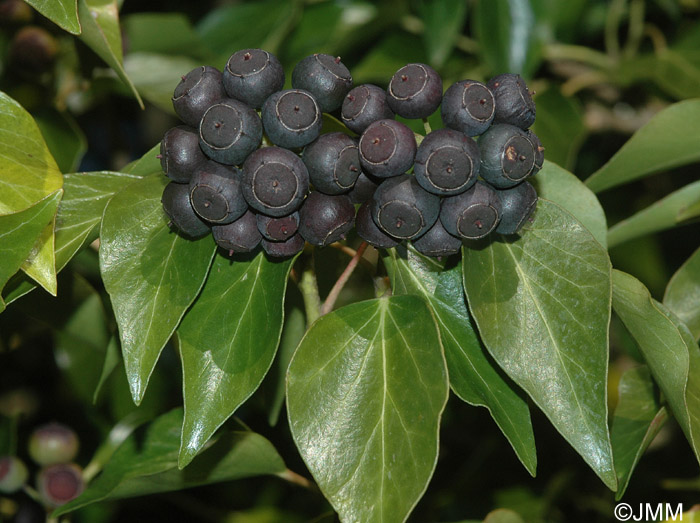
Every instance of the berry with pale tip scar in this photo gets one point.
(514, 103)
(292, 118)
(251, 75)
(473, 214)
(437, 242)
(517, 205)
(324, 76)
(284, 249)
(415, 91)
(468, 107)
(364, 105)
(180, 154)
(59, 484)
(229, 131)
(369, 231)
(387, 148)
(215, 193)
(325, 218)
(177, 206)
(198, 90)
(278, 229)
(333, 162)
(241, 235)
(507, 155)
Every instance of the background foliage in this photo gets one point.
(86, 89)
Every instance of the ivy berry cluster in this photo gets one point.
(250, 163)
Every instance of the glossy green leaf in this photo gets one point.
(559, 126)
(146, 463)
(151, 274)
(506, 31)
(157, 75)
(365, 392)
(112, 359)
(77, 220)
(63, 13)
(668, 348)
(682, 294)
(148, 164)
(40, 265)
(659, 216)
(228, 340)
(28, 172)
(669, 70)
(19, 233)
(638, 419)
(444, 20)
(666, 141)
(163, 33)
(64, 138)
(542, 306)
(387, 56)
(474, 377)
(101, 32)
(565, 189)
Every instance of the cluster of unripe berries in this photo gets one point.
(52, 447)
(251, 165)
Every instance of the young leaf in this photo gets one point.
(19, 232)
(657, 217)
(669, 349)
(683, 293)
(666, 141)
(147, 463)
(28, 173)
(228, 340)
(102, 34)
(444, 20)
(638, 419)
(151, 273)
(40, 265)
(542, 306)
(63, 13)
(560, 186)
(473, 375)
(365, 392)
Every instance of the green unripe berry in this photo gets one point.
(13, 474)
(53, 443)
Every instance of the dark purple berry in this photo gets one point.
(275, 181)
(415, 91)
(364, 188)
(364, 105)
(325, 77)
(241, 235)
(447, 162)
(33, 50)
(517, 205)
(387, 148)
(514, 104)
(539, 151)
(251, 75)
(333, 162)
(230, 131)
(284, 249)
(324, 219)
(216, 194)
(468, 107)
(437, 242)
(180, 154)
(507, 155)
(368, 230)
(58, 484)
(198, 90)
(292, 118)
(472, 214)
(403, 209)
(176, 204)
(278, 229)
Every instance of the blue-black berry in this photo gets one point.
(363, 105)
(333, 162)
(252, 75)
(387, 148)
(415, 91)
(229, 131)
(292, 118)
(468, 107)
(325, 77)
(447, 162)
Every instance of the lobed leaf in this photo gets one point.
(151, 273)
(474, 377)
(564, 188)
(147, 463)
(19, 233)
(682, 295)
(638, 419)
(542, 306)
(28, 172)
(228, 340)
(63, 13)
(365, 392)
(666, 141)
(668, 348)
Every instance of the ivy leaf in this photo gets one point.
(444, 20)
(542, 306)
(638, 419)
(28, 172)
(668, 348)
(64, 138)
(63, 13)
(228, 340)
(19, 232)
(365, 392)
(564, 188)
(683, 293)
(473, 375)
(102, 34)
(151, 273)
(659, 216)
(40, 265)
(147, 463)
(148, 164)
(666, 141)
